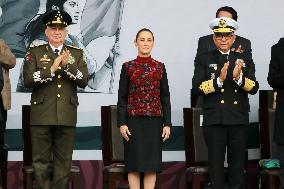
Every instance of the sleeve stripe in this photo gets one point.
(207, 87)
(37, 77)
(249, 84)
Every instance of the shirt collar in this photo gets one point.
(227, 53)
(53, 48)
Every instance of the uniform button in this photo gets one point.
(34, 102)
(222, 90)
(58, 95)
(44, 68)
(222, 101)
(236, 90)
(59, 86)
(59, 67)
(59, 76)
(235, 102)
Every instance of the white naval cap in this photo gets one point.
(223, 25)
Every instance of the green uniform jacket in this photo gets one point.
(54, 98)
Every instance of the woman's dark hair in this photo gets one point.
(142, 30)
(230, 10)
(35, 28)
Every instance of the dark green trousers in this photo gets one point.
(54, 144)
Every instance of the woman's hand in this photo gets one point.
(124, 132)
(166, 133)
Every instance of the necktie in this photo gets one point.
(56, 51)
(225, 57)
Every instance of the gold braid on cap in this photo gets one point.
(207, 87)
(249, 84)
(57, 21)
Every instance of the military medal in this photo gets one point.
(28, 56)
(44, 58)
(242, 62)
(71, 59)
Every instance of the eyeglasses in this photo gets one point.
(226, 36)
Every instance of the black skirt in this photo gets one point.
(143, 152)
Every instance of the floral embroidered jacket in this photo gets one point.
(143, 90)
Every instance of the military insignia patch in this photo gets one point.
(222, 23)
(71, 59)
(44, 58)
(214, 66)
(28, 56)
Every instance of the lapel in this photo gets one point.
(231, 62)
(50, 52)
(64, 48)
(214, 61)
(218, 58)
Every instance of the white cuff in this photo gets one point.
(52, 74)
(219, 83)
(239, 82)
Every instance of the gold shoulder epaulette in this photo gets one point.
(74, 47)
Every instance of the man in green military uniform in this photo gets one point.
(54, 71)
